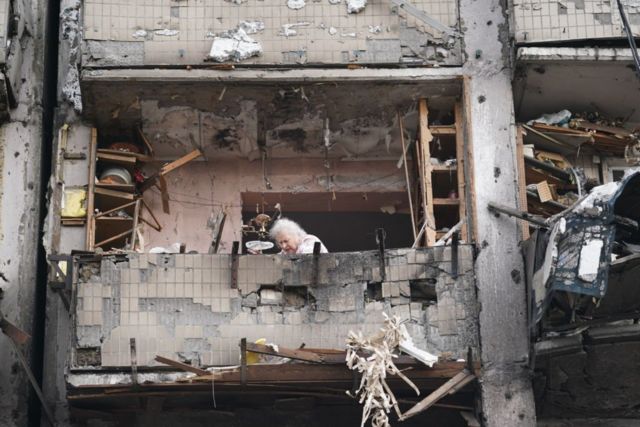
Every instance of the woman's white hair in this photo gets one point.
(287, 227)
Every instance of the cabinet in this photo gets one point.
(113, 208)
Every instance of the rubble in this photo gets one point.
(356, 6)
(236, 45)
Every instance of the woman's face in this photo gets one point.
(287, 243)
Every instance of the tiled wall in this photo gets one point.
(183, 307)
(181, 32)
(546, 20)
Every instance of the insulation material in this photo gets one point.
(549, 20)
(73, 203)
(375, 394)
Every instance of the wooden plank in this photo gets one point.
(135, 156)
(445, 389)
(164, 194)
(182, 366)
(443, 168)
(298, 372)
(136, 215)
(129, 188)
(180, 162)
(117, 208)
(406, 174)
(119, 158)
(522, 180)
(443, 201)
(145, 141)
(73, 222)
(111, 239)
(306, 356)
(425, 139)
(469, 167)
(114, 193)
(90, 236)
(586, 125)
(16, 334)
(462, 188)
(155, 226)
(443, 130)
(419, 156)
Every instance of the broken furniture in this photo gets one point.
(113, 207)
(114, 202)
(584, 249)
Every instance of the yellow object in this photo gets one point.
(253, 358)
(73, 205)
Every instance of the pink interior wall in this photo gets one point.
(201, 187)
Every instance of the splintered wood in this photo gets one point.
(373, 358)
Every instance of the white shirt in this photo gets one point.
(306, 246)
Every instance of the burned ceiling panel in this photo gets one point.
(550, 80)
(320, 120)
(271, 32)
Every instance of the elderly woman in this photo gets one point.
(292, 239)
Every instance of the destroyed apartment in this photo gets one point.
(312, 212)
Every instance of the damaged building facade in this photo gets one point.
(397, 133)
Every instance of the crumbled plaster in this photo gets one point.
(70, 31)
(296, 4)
(166, 32)
(236, 45)
(356, 6)
(288, 30)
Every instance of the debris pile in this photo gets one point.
(555, 144)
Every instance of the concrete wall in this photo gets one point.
(182, 306)
(201, 188)
(20, 189)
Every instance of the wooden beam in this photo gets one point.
(406, 174)
(93, 147)
(460, 168)
(304, 355)
(157, 225)
(425, 139)
(145, 141)
(164, 194)
(299, 372)
(469, 169)
(149, 182)
(180, 162)
(522, 180)
(117, 208)
(112, 238)
(450, 387)
(136, 216)
(182, 366)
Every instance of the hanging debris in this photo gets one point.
(373, 358)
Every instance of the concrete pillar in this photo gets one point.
(20, 190)
(507, 396)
